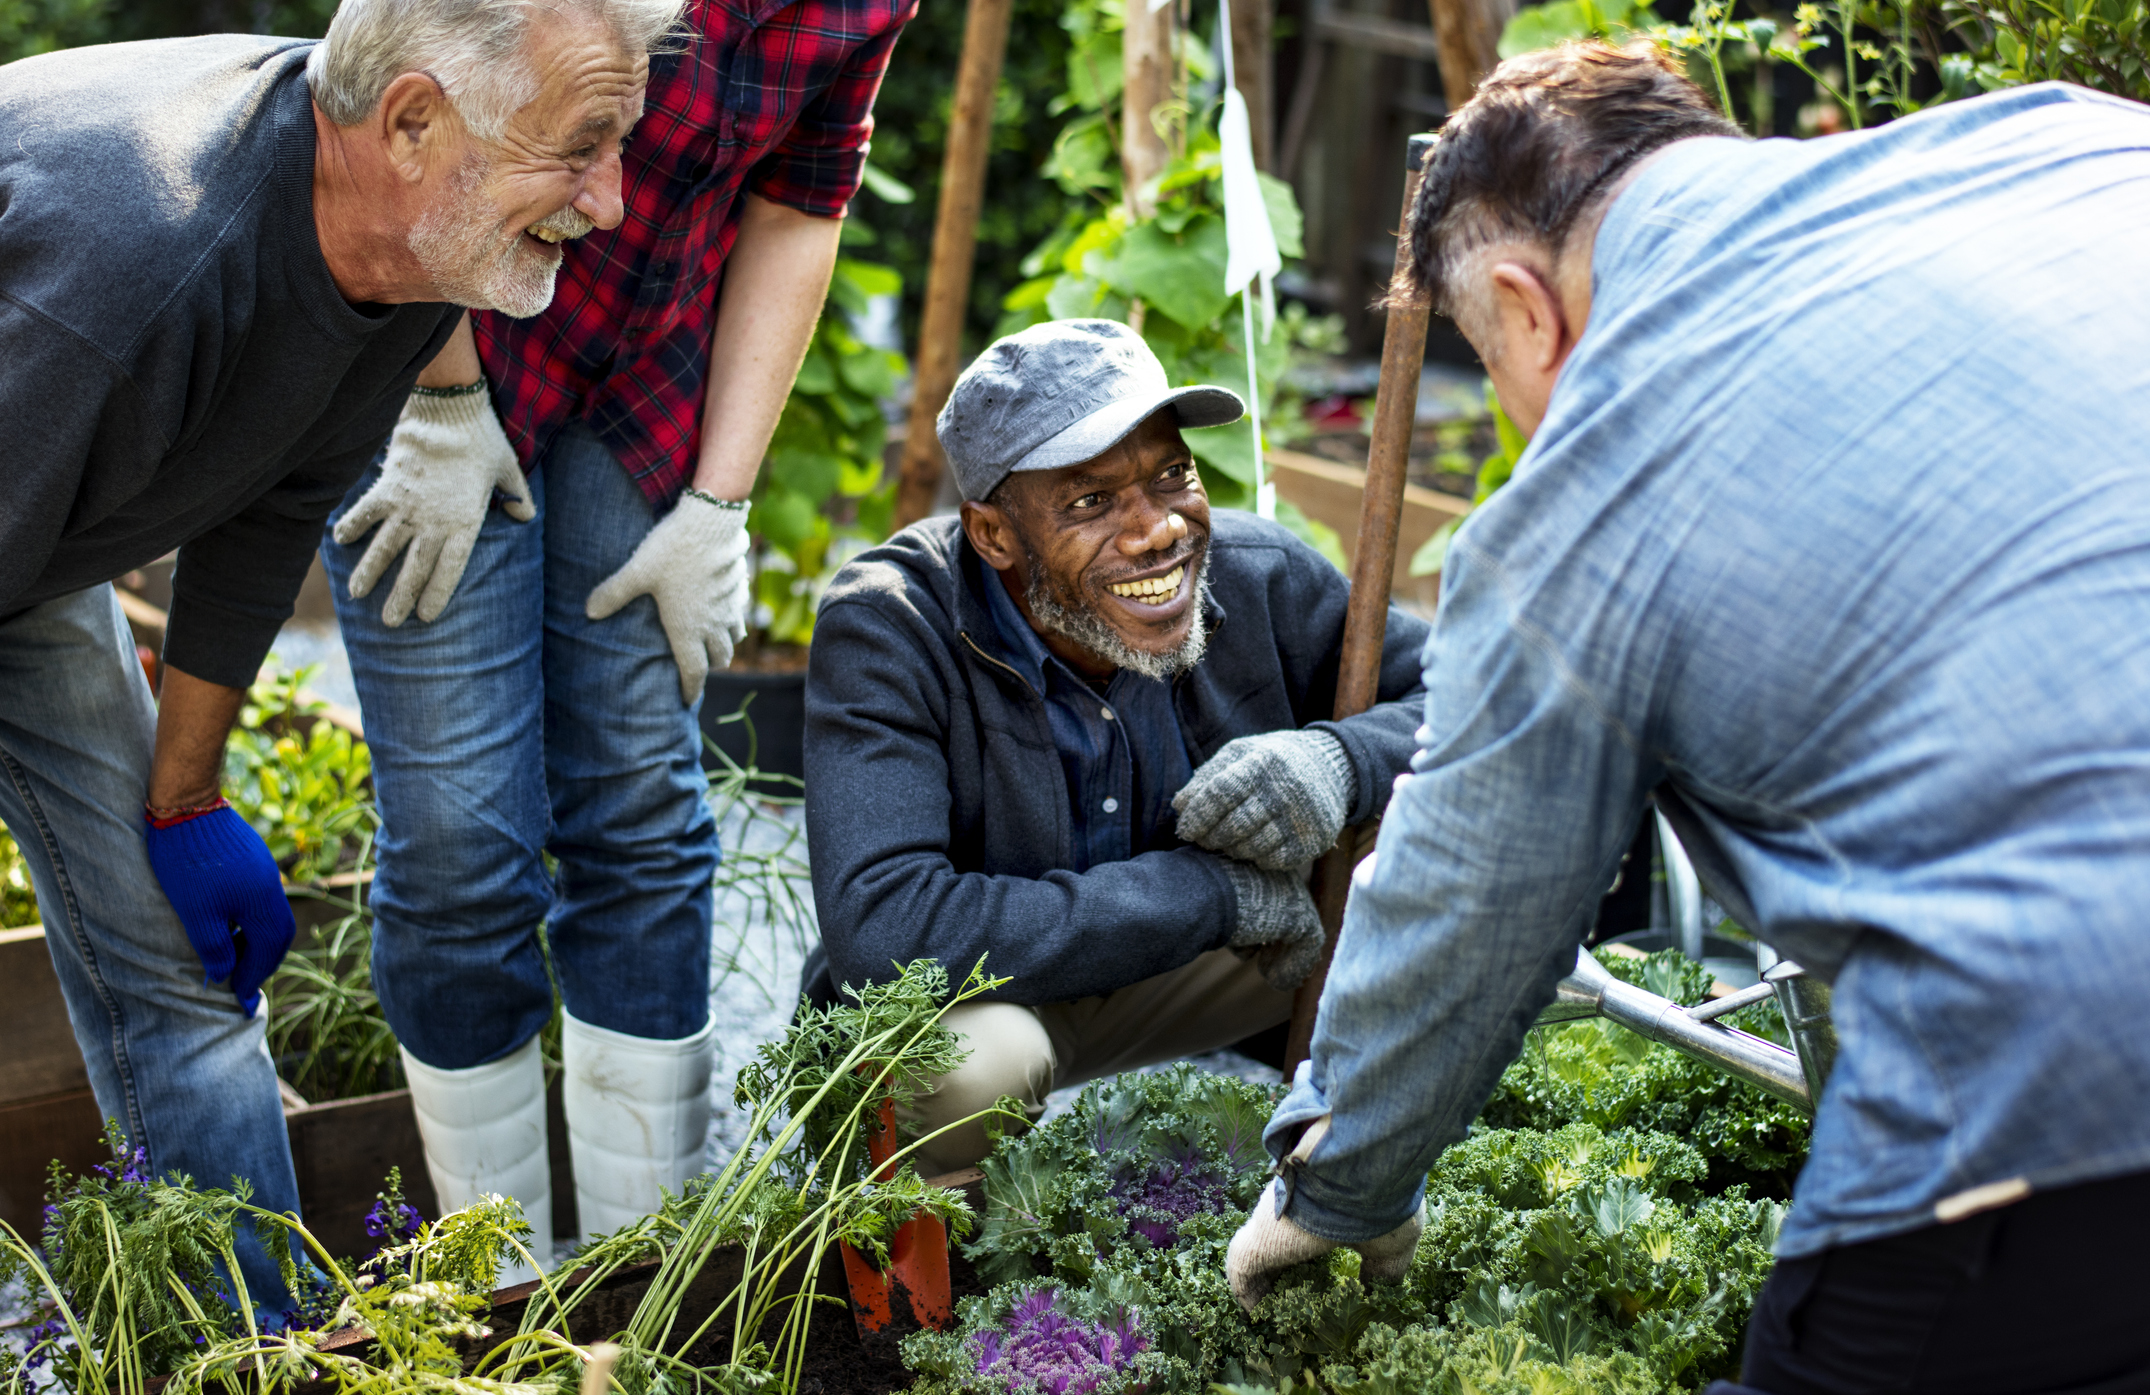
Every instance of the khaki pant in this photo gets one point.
(1029, 1052)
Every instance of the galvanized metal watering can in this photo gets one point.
(1794, 1076)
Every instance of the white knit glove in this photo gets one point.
(1271, 1242)
(447, 456)
(694, 565)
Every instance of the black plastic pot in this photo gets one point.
(759, 720)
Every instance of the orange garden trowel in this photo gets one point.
(914, 1293)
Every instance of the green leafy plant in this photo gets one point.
(1544, 25)
(1601, 1074)
(1594, 1232)
(823, 476)
(326, 1032)
(300, 780)
(131, 1265)
(1123, 1172)
(30, 27)
(134, 1270)
(2103, 44)
(18, 899)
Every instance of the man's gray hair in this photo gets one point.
(470, 47)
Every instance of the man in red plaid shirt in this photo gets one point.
(587, 518)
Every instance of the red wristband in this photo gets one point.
(165, 818)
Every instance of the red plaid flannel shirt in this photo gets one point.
(767, 97)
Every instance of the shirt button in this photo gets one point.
(1106, 712)
(1112, 806)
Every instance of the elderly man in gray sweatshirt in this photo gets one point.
(222, 268)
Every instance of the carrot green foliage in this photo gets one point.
(130, 1267)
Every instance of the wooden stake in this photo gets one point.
(1146, 61)
(955, 246)
(1467, 33)
(1358, 679)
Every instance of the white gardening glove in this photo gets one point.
(1271, 1242)
(694, 565)
(447, 456)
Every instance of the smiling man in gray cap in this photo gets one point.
(1080, 731)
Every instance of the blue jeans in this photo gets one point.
(187, 1077)
(514, 726)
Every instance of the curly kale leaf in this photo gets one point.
(1598, 1073)
(1126, 1168)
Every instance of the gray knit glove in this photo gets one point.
(1276, 800)
(1279, 926)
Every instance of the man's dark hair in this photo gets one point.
(1545, 134)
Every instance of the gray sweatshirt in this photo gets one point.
(177, 368)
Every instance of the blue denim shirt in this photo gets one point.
(1838, 527)
(1121, 749)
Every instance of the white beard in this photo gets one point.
(459, 244)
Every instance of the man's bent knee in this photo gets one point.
(1010, 1054)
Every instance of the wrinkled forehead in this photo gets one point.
(591, 85)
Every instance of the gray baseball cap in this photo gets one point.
(1058, 394)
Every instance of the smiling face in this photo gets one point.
(1105, 558)
(490, 239)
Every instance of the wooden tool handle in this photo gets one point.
(1358, 678)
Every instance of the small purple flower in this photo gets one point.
(1045, 1350)
(392, 1221)
(43, 1339)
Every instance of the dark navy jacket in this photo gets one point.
(936, 807)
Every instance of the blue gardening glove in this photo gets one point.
(219, 876)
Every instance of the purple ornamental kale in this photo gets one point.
(1156, 1203)
(1045, 1350)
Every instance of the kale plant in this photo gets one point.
(1581, 1258)
(1596, 1072)
(1126, 1169)
(1041, 1339)
(1042, 1348)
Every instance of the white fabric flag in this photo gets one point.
(1250, 243)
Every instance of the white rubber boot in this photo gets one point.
(484, 1131)
(637, 1119)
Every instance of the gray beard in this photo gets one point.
(456, 243)
(1089, 629)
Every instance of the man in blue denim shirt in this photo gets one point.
(1834, 531)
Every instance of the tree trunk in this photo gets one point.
(1146, 59)
(955, 245)
(1255, 73)
(1468, 33)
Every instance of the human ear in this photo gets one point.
(411, 120)
(992, 533)
(1532, 325)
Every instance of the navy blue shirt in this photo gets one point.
(1119, 744)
